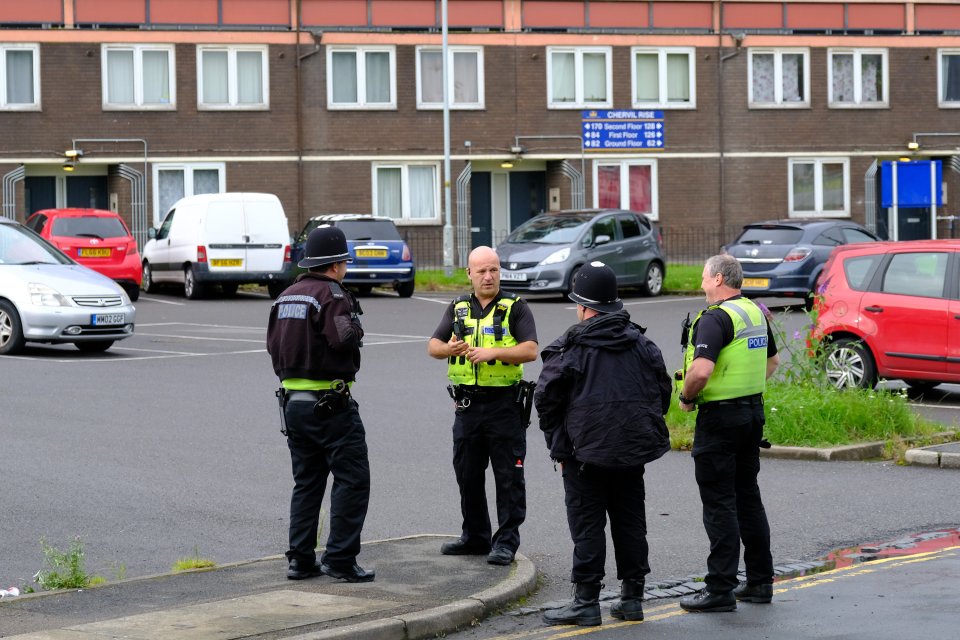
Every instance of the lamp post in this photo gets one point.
(447, 226)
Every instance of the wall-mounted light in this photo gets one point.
(506, 164)
(69, 165)
(913, 146)
(73, 154)
(905, 159)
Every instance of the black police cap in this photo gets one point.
(595, 287)
(325, 245)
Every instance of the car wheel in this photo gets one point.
(274, 289)
(11, 331)
(573, 276)
(229, 288)
(133, 292)
(191, 288)
(653, 281)
(405, 289)
(850, 365)
(149, 286)
(95, 346)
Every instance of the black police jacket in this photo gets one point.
(602, 394)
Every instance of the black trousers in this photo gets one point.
(726, 456)
(318, 448)
(491, 430)
(591, 493)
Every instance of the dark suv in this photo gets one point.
(784, 257)
(380, 256)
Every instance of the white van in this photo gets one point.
(220, 238)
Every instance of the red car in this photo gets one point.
(95, 238)
(891, 310)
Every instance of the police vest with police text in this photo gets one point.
(488, 332)
(741, 367)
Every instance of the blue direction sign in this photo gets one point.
(622, 129)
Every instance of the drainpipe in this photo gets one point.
(301, 220)
(721, 138)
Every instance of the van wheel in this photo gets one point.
(191, 288)
(11, 331)
(274, 289)
(405, 289)
(850, 365)
(653, 280)
(96, 346)
(149, 286)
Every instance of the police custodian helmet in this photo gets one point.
(595, 287)
(325, 245)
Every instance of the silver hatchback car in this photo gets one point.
(47, 297)
(544, 254)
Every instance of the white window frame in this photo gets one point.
(362, 103)
(819, 211)
(19, 106)
(405, 218)
(451, 79)
(945, 104)
(138, 51)
(233, 103)
(858, 102)
(663, 102)
(778, 102)
(654, 213)
(579, 102)
(188, 169)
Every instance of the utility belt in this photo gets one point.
(753, 400)
(326, 402)
(522, 393)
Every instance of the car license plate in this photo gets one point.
(371, 253)
(226, 262)
(94, 253)
(513, 276)
(756, 283)
(102, 319)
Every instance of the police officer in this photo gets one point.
(314, 338)
(486, 337)
(730, 354)
(601, 398)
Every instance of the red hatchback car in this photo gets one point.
(95, 238)
(891, 310)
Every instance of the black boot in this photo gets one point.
(584, 610)
(630, 606)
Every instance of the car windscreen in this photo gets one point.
(770, 235)
(549, 230)
(88, 227)
(21, 246)
(369, 230)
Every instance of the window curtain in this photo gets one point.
(833, 188)
(563, 81)
(344, 77)
(871, 77)
(216, 88)
(647, 81)
(120, 77)
(608, 186)
(594, 77)
(641, 192)
(250, 77)
(378, 77)
(763, 77)
(804, 198)
(431, 76)
(843, 78)
(678, 77)
(170, 188)
(389, 195)
(792, 77)
(423, 192)
(466, 84)
(20, 77)
(206, 181)
(156, 77)
(951, 78)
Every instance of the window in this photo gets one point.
(819, 187)
(361, 78)
(948, 77)
(778, 78)
(916, 274)
(232, 77)
(465, 77)
(631, 184)
(19, 77)
(138, 77)
(857, 78)
(579, 78)
(663, 78)
(407, 192)
(174, 181)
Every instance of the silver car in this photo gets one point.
(544, 254)
(47, 297)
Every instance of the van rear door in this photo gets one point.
(267, 234)
(226, 247)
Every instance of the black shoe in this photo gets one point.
(707, 602)
(583, 611)
(301, 570)
(500, 556)
(759, 593)
(353, 574)
(462, 548)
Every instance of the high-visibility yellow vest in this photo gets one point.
(490, 331)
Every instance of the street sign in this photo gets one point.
(623, 129)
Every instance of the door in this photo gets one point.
(499, 206)
(225, 236)
(88, 192)
(528, 196)
(639, 247)
(610, 251)
(480, 224)
(39, 192)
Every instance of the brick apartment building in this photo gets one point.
(766, 109)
